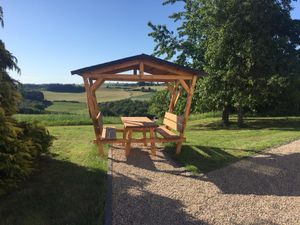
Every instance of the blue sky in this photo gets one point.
(51, 38)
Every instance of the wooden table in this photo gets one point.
(143, 124)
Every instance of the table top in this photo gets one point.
(138, 122)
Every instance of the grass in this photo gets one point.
(67, 188)
(63, 119)
(210, 145)
(103, 95)
(68, 107)
(144, 97)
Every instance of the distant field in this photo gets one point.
(68, 107)
(103, 95)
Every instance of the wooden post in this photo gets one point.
(173, 97)
(187, 112)
(89, 98)
(152, 137)
(141, 69)
(93, 114)
(128, 142)
(145, 136)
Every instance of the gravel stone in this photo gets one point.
(264, 189)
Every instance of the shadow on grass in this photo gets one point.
(266, 174)
(202, 158)
(59, 193)
(288, 124)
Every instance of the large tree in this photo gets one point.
(20, 143)
(249, 48)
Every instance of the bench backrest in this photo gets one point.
(173, 121)
(99, 120)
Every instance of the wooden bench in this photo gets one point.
(171, 124)
(104, 134)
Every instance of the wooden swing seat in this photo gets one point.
(166, 133)
(171, 122)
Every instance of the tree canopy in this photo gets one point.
(249, 48)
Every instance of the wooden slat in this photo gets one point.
(109, 133)
(130, 77)
(97, 84)
(172, 124)
(141, 69)
(124, 66)
(167, 68)
(138, 122)
(100, 122)
(166, 133)
(177, 97)
(173, 117)
(173, 97)
(173, 121)
(185, 86)
(133, 140)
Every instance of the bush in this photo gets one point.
(125, 107)
(33, 102)
(20, 145)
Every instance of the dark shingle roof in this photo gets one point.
(138, 57)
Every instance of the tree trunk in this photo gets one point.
(240, 118)
(225, 115)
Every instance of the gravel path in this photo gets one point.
(264, 189)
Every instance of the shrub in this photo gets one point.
(20, 145)
(125, 107)
(33, 102)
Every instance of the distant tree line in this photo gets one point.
(71, 88)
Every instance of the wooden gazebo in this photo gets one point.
(141, 68)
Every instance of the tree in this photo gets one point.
(248, 48)
(9, 95)
(20, 143)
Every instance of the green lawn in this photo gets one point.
(68, 107)
(210, 146)
(67, 188)
(63, 119)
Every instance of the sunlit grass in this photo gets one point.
(63, 119)
(210, 145)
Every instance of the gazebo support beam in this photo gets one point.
(130, 77)
(185, 86)
(173, 97)
(97, 84)
(187, 112)
(93, 110)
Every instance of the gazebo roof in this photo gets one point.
(152, 65)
